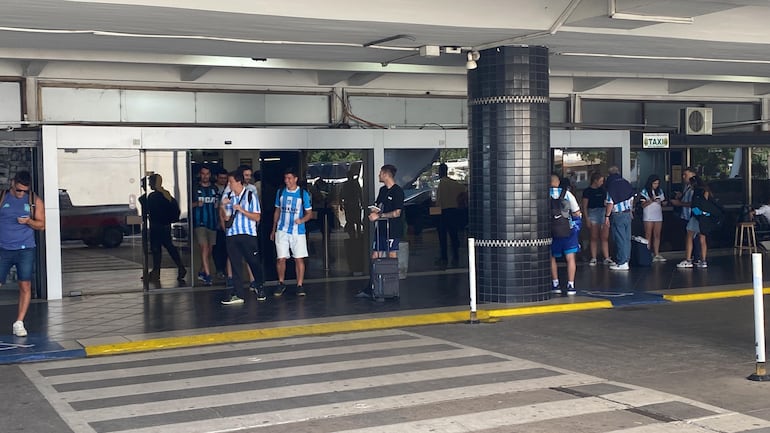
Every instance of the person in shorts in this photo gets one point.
(21, 213)
(568, 246)
(293, 208)
(204, 204)
(386, 215)
(593, 203)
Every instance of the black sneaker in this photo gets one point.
(365, 293)
(181, 274)
(556, 290)
(279, 290)
(261, 296)
(301, 291)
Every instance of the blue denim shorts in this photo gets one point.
(24, 260)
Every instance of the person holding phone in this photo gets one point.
(21, 213)
(653, 199)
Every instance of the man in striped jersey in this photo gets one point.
(242, 243)
(619, 204)
(293, 208)
(204, 212)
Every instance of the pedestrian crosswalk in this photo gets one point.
(367, 382)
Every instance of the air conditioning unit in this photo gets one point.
(696, 121)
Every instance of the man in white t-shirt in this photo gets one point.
(293, 208)
(567, 246)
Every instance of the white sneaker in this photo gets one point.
(616, 267)
(571, 291)
(18, 329)
(609, 262)
(233, 300)
(659, 258)
(592, 262)
(684, 264)
(703, 264)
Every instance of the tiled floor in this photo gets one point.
(181, 309)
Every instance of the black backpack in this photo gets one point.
(560, 216)
(173, 211)
(711, 217)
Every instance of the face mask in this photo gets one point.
(555, 192)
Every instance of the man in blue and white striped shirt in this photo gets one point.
(293, 208)
(242, 243)
(619, 204)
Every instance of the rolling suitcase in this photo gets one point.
(385, 272)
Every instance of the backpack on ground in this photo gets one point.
(560, 216)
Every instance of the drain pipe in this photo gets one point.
(760, 375)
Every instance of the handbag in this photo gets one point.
(229, 222)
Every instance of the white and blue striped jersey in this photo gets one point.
(243, 225)
(625, 205)
(292, 205)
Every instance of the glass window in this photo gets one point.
(664, 114)
(723, 170)
(559, 111)
(429, 248)
(730, 116)
(760, 176)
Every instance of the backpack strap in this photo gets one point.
(2, 195)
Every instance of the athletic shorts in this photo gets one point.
(290, 245)
(24, 260)
(205, 236)
(563, 246)
(384, 244)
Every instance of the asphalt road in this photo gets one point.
(700, 350)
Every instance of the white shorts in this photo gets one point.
(294, 242)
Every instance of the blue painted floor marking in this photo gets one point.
(624, 298)
(34, 348)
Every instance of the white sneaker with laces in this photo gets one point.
(659, 258)
(232, 301)
(616, 267)
(703, 264)
(609, 262)
(592, 262)
(685, 264)
(18, 329)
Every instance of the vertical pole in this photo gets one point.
(325, 239)
(759, 319)
(472, 276)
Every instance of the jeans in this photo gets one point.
(620, 227)
(24, 260)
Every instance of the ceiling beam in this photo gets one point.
(32, 68)
(330, 78)
(761, 89)
(680, 86)
(362, 78)
(192, 73)
(586, 84)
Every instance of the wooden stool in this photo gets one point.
(745, 229)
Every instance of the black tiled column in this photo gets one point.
(509, 166)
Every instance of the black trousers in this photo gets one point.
(239, 248)
(449, 224)
(160, 236)
(220, 252)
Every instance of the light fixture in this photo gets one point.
(652, 18)
(472, 57)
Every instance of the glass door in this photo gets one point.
(101, 227)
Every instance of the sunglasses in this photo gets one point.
(20, 191)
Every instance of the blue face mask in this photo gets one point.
(555, 192)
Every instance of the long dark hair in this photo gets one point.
(648, 185)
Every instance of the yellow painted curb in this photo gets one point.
(555, 308)
(713, 295)
(330, 328)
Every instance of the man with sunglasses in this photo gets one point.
(21, 213)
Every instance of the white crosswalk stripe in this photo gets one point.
(370, 382)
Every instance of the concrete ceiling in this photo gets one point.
(729, 40)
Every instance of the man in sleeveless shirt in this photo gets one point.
(21, 213)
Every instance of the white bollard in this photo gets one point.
(759, 319)
(472, 276)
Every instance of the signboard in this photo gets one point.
(658, 140)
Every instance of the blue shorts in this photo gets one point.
(24, 260)
(563, 246)
(384, 244)
(596, 215)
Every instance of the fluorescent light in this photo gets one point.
(652, 18)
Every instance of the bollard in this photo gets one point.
(472, 276)
(760, 374)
